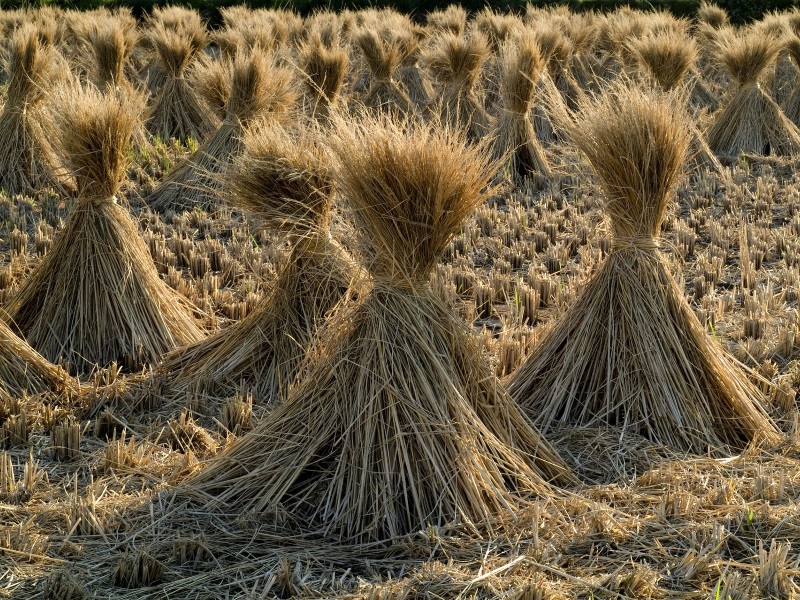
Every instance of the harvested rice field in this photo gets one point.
(358, 307)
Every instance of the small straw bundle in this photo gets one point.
(791, 105)
(112, 45)
(175, 19)
(630, 351)
(455, 63)
(712, 15)
(665, 58)
(324, 68)
(27, 161)
(750, 121)
(514, 138)
(177, 111)
(96, 297)
(286, 184)
(452, 19)
(383, 52)
(397, 423)
(260, 92)
(24, 371)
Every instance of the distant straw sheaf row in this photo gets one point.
(503, 77)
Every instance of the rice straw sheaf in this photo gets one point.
(712, 15)
(184, 21)
(750, 121)
(630, 352)
(25, 371)
(791, 105)
(454, 63)
(96, 297)
(396, 423)
(324, 69)
(286, 184)
(514, 137)
(666, 58)
(383, 52)
(112, 46)
(212, 81)
(177, 111)
(260, 92)
(27, 160)
(452, 19)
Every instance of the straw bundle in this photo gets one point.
(666, 58)
(397, 423)
(750, 121)
(212, 81)
(791, 105)
(630, 351)
(112, 46)
(453, 19)
(455, 64)
(177, 111)
(27, 162)
(514, 137)
(325, 67)
(712, 15)
(384, 52)
(286, 184)
(259, 92)
(24, 371)
(96, 297)
(174, 19)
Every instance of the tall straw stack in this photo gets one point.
(112, 45)
(750, 121)
(630, 351)
(397, 423)
(665, 59)
(260, 92)
(176, 19)
(27, 161)
(286, 184)
(454, 63)
(514, 138)
(96, 297)
(176, 111)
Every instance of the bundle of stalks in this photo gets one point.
(455, 64)
(324, 67)
(551, 105)
(750, 121)
(496, 27)
(665, 60)
(453, 19)
(713, 15)
(397, 423)
(791, 105)
(24, 371)
(558, 52)
(286, 184)
(582, 32)
(595, 367)
(384, 52)
(514, 138)
(112, 46)
(260, 92)
(328, 26)
(96, 297)
(27, 161)
(177, 111)
(175, 19)
(212, 81)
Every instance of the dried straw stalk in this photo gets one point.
(286, 184)
(750, 121)
(177, 111)
(397, 423)
(514, 138)
(324, 68)
(96, 297)
(260, 92)
(630, 351)
(791, 105)
(27, 160)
